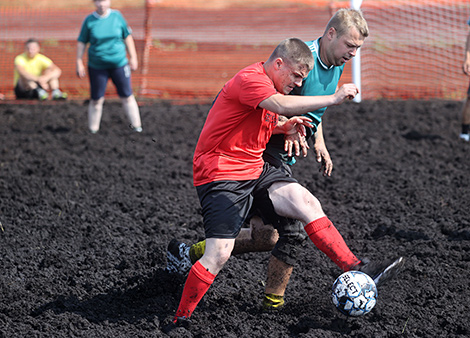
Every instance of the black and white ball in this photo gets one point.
(354, 293)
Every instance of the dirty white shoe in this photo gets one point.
(465, 137)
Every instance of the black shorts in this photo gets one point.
(226, 205)
(121, 77)
(30, 94)
(263, 206)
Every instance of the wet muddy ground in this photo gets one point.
(85, 221)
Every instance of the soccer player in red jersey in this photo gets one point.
(229, 172)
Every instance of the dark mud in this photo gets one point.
(85, 220)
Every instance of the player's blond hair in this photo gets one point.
(345, 18)
(295, 52)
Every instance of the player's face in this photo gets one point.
(343, 48)
(289, 76)
(102, 6)
(32, 49)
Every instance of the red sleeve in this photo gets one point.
(255, 88)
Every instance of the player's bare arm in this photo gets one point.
(24, 75)
(80, 65)
(130, 45)
(466, 64)
(291, 105)
(51, 72)
(321, 152)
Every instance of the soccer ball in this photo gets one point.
(354, 293)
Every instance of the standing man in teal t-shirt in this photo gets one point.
(109, 38)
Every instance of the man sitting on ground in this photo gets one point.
(36, 74)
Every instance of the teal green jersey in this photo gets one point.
(106, 36)
(321, 80)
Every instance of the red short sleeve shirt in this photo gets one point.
(236, 131)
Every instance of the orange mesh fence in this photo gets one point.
(415, 50)
(188, 49)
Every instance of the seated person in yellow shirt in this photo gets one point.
(36, 74)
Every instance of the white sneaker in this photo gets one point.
(42, 94)
(59, 95)
(465, 137)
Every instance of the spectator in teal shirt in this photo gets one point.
(109, 39)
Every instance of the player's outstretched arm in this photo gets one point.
(291, 105)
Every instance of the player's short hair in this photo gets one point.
(295, 52)
(31, 40)
(345, 18)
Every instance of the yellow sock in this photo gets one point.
(272, 301)
(197, 250)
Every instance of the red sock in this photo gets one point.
(327, 238)
(198, 282)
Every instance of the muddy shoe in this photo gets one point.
(381, 272)
(176, 327)
(272, 303)
(177, 257)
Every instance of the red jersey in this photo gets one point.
(236, 130)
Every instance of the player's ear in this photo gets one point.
(331, 33)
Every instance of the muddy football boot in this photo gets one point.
(177, 258)
(272, 303)
(381, 272)
(171, 327)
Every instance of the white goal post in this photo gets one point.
(356, 61)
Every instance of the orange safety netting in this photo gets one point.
(415, 49)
